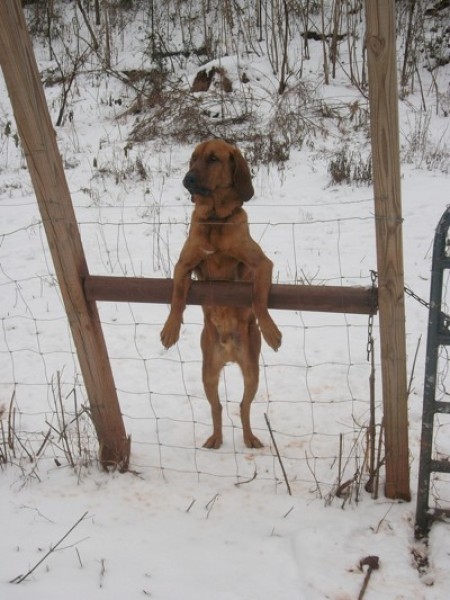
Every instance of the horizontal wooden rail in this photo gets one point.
(355, 300)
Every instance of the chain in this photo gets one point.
(409, 292)
(445, 318)
(420, 300)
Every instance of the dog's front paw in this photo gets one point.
(270, 333)
(170, 332)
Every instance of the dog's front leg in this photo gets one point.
(181, 284)
(261, 288)
(190, 257)
(259, 270)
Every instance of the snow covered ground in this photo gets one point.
(186, 522)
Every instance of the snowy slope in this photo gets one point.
(186, 522)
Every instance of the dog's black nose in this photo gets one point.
(190, 181)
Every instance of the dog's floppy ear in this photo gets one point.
(242, 177)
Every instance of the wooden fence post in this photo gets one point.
(381, 54)
(46, 169)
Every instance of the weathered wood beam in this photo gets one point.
(352, 300)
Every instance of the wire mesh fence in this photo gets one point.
(314, 392)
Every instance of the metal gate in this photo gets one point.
(438, 336)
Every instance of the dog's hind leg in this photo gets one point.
(250, 372)
(211, 384)
(250, 387)
(212, 366)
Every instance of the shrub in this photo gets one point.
(350, 167)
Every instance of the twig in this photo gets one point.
(11, 424)
(210, 504)
(42, 446)
(79, 557)
(380, 461)
(62, 422)
(278, 454)
(30, 456)
(413, 368)
(342, 490)
(77, 420)
(3, 451)
(288, 512)
(95, 43)
(252, 478)
(21, 578)
(102, 571)
(311, 470)
(341, 445)
(384, 518)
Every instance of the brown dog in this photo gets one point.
(219, 247)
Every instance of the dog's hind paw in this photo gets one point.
(213, 442)
(251, 441)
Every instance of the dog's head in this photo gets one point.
(218, 179)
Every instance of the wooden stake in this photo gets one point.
(380, 39)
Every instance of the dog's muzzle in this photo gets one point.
(190, 182)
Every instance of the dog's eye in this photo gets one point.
(213, 158)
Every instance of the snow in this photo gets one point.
(186, 522)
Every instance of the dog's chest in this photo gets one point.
(212, 238)
(216, 262)
(213, 243)
(217, 265)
